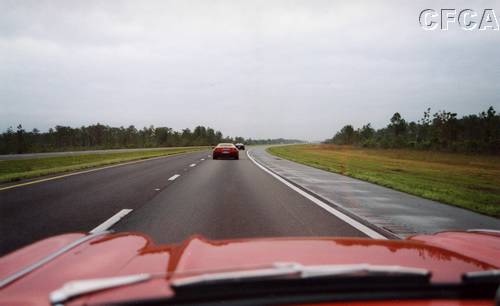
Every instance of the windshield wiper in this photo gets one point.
(280, 271)
(487, 276)
(484, 279)
(80, 287)
(298, 271)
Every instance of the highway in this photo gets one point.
(170, 199)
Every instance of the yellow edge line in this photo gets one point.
(87, 171)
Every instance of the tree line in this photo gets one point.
(98, 136)
(440, 131)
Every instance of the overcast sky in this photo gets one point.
(294, 69)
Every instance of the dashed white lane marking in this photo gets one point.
(202, 159)
(111, 221)
(85, 171)
(192, 165)
(357, 225)
(174, 177)
(157, 189)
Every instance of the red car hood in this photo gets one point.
(448, 255)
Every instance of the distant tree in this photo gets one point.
(239, 140)
(445, 127)
(20, 139)
(218, 137)
(346, 136)
(366, 132)
(398, 125)
(441, 131)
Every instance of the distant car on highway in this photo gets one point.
(447, 268)
(225, 150)
(240, 146)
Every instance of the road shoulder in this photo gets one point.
(397, 212)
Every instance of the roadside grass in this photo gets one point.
(468, 181)
(15, 170)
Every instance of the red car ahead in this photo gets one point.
(226, 150)
(448, 268)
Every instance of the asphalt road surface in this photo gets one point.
(171, 199)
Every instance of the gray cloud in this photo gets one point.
(298, 69)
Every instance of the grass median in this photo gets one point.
(467, 181)
(15, 170)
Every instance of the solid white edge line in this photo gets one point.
(357, 225)
(173, 177)
(111, 221)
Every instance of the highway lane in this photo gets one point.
(215, 198)
(81, 202)
(223, 199)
